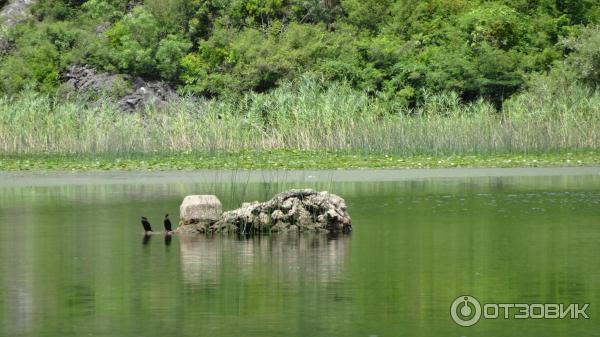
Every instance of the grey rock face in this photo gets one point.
(86, 79)
(101, 28)
(132, 3)
(293, 210)
(157, 94)
(198, 212)
(11, 13)
(15, 11)
(130, 93)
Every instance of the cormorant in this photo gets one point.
(167, 223)
(146, 225)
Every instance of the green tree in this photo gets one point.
(584, 58)
(169, 54)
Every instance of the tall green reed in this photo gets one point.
(306, 116)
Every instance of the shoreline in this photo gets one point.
(56, 178)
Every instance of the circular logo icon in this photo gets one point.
(465, 310)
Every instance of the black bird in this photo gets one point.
(146, 225)
(167, 223)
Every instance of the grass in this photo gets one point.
(303, 125)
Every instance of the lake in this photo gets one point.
(73, 260)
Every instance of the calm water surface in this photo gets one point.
(73, 261)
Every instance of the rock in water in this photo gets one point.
(293, 210)
(198, 213)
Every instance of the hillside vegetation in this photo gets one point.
(396, 50)
(426, 80)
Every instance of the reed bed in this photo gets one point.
(305, 116)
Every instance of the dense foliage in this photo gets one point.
(397, 50)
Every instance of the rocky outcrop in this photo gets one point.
(15, 11)
(86, 80)
(132, 3)
(301, 210)
(11, 13)
(154, 93)
(293, 210)
(198, 212)
(130, 93)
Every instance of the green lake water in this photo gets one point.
(73, 261)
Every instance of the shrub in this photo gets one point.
(584, 57)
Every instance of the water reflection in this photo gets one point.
(68, 270)
(19, 299)
(321, 258)
(168, 238)
(146, 239)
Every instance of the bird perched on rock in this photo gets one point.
(167, 223)
(146, 225)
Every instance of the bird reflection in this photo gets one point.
(294, 256)
(146, 239)
(168, 238)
